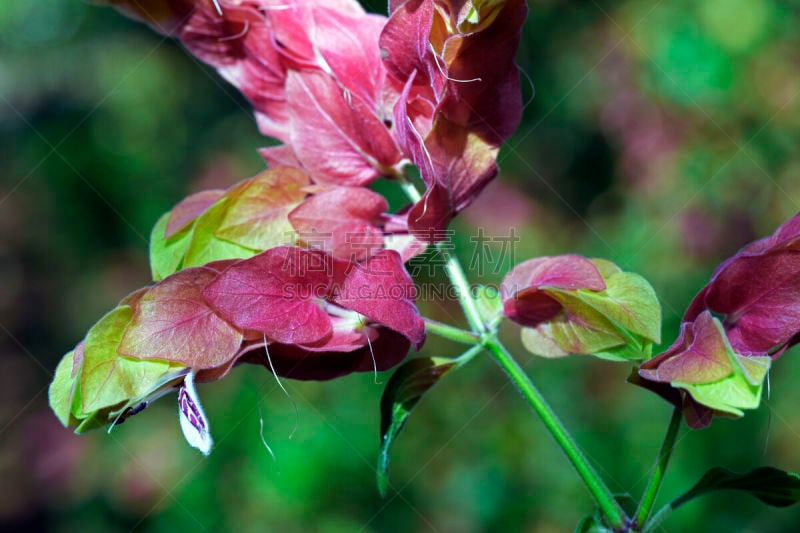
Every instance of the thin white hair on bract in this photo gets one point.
(261, 431)
(530, 82)
(443, 73)
(371, 353)
(237, 35)
(286, 392)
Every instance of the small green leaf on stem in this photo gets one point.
(771, 485)
(403, 391)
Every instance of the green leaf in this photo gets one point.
(205, 246)
(108, 378)
(166, 255)
(403, 391)
(771, 485)
(490, 304)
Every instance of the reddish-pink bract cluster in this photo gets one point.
(524, 289)
(355, 96)
(757, 291)
(756, 295)
(301, 268)
(302, 306)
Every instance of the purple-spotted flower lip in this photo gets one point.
(194, 423)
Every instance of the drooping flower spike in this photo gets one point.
(757, 293)
(331, 83)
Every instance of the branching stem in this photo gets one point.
(612, 511)
(485, 336)
(451, 332)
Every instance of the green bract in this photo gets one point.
(703, 364)
(94, 384)
(573, 305)
(248, 218)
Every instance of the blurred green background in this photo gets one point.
(662, 136)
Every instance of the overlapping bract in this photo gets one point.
(713, 377)
(276, 207)
(354, 96)
(460, 95)
(299, 312)
(718, 365)
(233, 287)
(757, 292)
(248, 218)
(572, 305)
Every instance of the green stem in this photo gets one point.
(651, 492)
(467, 356)
(605, 499)
(451, 332)
(612, 511)
(463, 289)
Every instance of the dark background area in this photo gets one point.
(662, 136)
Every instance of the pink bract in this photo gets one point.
(354, 96)
(758, 292)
